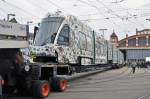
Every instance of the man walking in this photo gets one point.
(133, 66)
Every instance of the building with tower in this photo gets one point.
(114, 39)
(135, 47)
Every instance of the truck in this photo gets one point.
(17, 73)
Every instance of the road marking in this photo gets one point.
(144, 96)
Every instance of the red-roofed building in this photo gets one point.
(114, 38)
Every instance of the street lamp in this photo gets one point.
(103, 30)
(8, 15)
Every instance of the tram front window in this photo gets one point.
(48, 30)
(63, 38)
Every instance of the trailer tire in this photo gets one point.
(59, 84)
(40, 89)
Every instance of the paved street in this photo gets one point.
(114, 84)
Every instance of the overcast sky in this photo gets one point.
(122, 16)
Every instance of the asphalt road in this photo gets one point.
(114, 84)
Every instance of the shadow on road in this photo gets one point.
(17, 97)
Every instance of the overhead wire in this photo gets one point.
(110, 10)
(57, 6)
(90, 4)
(2, 14)
(3, 11)
(39, 6)
(113, 13)
(102, 13)
(19, 8)
(118, 1)
(97, 19)
(135, 17)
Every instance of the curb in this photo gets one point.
(81, 75)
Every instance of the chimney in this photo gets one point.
(126, 35)
(136, 31)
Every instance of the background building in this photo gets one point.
(135, 47)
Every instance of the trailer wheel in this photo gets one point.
(59, 84)
(41, 89)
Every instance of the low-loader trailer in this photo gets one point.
(19, 75)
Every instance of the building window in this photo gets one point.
(82, 41)
(142, 41)
(149, 40)
(113, 40)
(123, 44)
(132, 42)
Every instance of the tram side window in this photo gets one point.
(63, 38)
(83, 41)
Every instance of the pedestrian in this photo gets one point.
(133, 66)
(129, 63)
(138, 64)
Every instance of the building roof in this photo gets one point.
(143, 30)
(113, 34)
(138, 44)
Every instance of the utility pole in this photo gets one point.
(94, 55)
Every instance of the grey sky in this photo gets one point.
(124, 16)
